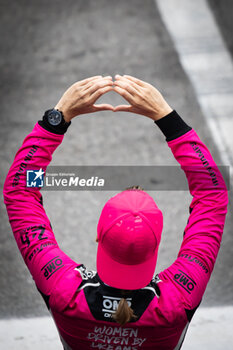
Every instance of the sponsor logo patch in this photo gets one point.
(195, 260)
(31, 233)
(52, 266)
(110, 305)
(185, 281)
(205, 163)
(24, 164)
(85, 274)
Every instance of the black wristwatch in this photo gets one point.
(54, 117)
(53, 120)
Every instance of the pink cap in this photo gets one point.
(129, 232)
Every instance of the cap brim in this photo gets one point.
(124, 276)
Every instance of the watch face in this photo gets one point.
(54, 117)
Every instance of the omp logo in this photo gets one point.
(52, 266)
(185, 281)
(110, 305)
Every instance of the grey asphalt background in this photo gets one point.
(223, 11)
(45, 47)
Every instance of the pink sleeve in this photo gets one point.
(191, 271)
(30, 224)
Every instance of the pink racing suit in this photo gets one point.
(80, 303)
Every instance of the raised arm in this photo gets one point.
(29, 222)
(190, 273)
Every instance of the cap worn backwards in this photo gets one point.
(129, 232)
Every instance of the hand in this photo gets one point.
(143, 98)
(81, 96)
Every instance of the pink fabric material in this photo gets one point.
(181, 285)
(129, 233)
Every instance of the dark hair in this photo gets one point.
(134, 187)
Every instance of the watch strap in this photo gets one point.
(59, 129)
